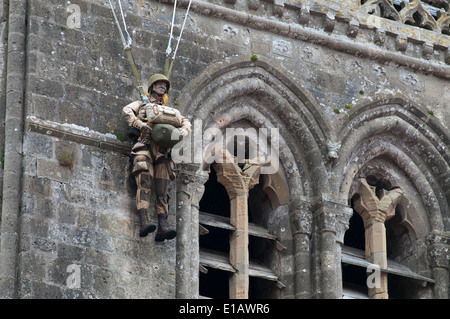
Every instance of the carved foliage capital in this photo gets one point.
(300, 213)
(333, 216)
(376, 206)
(191, 180)
(236, 179)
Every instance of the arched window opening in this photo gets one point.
(400, 242)
(259, 205)
(354, 277)
(398, 238)
(214, 244)
(262, 251)
(393, 241)
(243, 147)
(354, 236)
(217, 243)
(215, 199)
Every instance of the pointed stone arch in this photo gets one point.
(257, 94)
(409, 137)
(402, 143)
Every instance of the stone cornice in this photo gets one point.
(77, 134)
(341, 33)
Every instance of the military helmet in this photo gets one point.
(155, 78)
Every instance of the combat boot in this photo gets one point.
(164, 232)
(146, 227)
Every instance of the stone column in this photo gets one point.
(238, 181)
(332, 219)
(375, 209)
(14, 130)
(301, 220)
(327, 241)
(344, 213)
(439, 253)
(190, 188)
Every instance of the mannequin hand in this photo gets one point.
(146, 130)
(183, 131)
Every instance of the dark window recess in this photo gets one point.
(217, 239)
(214, 284)
(261, 289)
(258, 248)
(355, 235)
(215, 199)
(354, 278)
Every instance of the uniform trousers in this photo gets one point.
(151, 173)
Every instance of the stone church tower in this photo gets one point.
(320, 150)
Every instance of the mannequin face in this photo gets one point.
(159, 89)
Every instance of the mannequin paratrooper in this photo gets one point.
(152, 163)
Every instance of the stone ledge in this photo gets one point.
(78, 134)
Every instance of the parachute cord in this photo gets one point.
(127, 47)
(125, 25)
(124, 42)
(182, 28)
(168, 67)
(169, 46)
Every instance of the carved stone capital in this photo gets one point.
(190, 180)
(376, 206)
(332, 216)
(237, 178)
(301, 213)
(191, 173)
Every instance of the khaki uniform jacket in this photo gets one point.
(135, 116)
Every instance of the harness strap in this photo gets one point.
(127, 46)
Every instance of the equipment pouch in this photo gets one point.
(140, 163)
(163, 114)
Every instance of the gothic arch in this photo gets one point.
(258, 93)
(401, 142)
(391, 130)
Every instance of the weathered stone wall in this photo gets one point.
(343, 87)
(83, 214)
(3, 46)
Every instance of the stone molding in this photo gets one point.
(329, 216)
(439, 249)
(77, 134)
(344, 38)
